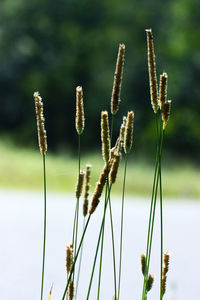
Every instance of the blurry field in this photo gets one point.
(22, 169)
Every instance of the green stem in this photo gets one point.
(98, 242)
(80, 261)
(45, 221)
(122, 223)
(113, 247)
(75, 258)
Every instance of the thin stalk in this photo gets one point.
(113, 246)
(45, 222)
(161, 221)
(80, 261)
(102, 243)
(75, 258)
(98, 242)
(122, 223)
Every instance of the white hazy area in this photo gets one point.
(21, 236)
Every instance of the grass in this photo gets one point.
(21, 169)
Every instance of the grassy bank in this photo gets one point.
(22, 169)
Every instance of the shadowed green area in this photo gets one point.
(22, 169)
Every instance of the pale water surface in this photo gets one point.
(21, 223)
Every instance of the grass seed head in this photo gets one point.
(115, 98)
(69, 257)
(99, 189)
(42, 137)
(87, 188)
(143, 262)
(166, 259)
(150, 282)
(128, 135)
(80, 120)
(105, 136)
(166, 113)
(152, 70)
(163, 89)
(114, 167)
(71, 290)
(79, 184)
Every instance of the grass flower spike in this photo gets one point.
(115, 99)
(166, 113)
(163, 89)
(128, 135)
(143, 263)
(165, 270)
(150, 282)
(152, 71)
(79, 185)
(69, 257)
(87, 187)
(42, 137)
(71, 290)
(114, 168)
(105, 136)
(80, 120)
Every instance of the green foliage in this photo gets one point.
(53, 46)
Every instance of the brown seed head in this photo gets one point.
(128, 135)
(166, 259)
(152, 71)
(150, 282)
(79, 184)
(99, 189)
(143, 262)
(105, 136)
(115, 98)
(71, 290)
(87, 188)
(163, 89)
(166, 113)
(80, 120)
(114, 167)
(69, 257)
(42, 137)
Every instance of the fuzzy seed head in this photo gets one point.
(71, 290)
(69, 257)
(115, 98)
(114, 167)
(80, 120)
(105, 136)
(163, 89)
(166, 113)
(87, 188)
(99, 188)
(166, 259)
(150, 282)
(79, 184)
(152, 71)
(128, 135)
(42, 137)
(143, 262)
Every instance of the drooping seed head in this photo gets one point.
(42, 137)
(69, 257)
(79, 184)
(115, 98)
(99, 188)
(114, 167)
(152, 71)
(166, 113)
(71, 290)
(105, 136)
(80, 120)
(150, 282)
(166, 259)
(128, 135)
(163, 89)
(87, 188)
(143, 262)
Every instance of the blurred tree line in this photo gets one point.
(53, 46)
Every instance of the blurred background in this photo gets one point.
(53, 46)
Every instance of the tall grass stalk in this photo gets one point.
(121, 227)
(45, 222)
